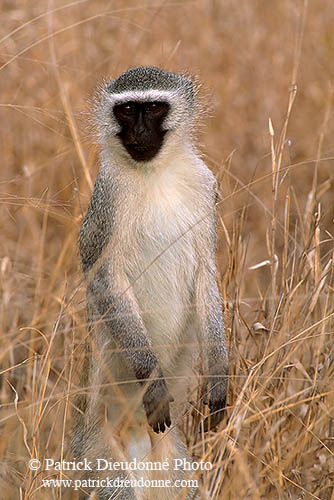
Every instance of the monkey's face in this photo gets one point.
(142, 133)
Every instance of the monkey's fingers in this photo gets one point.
(160, 418)
(156, 403)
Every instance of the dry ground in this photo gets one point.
(257, 60)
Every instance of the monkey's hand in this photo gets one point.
(215, 397)
(156, 403)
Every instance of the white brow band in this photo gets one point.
(143, 95)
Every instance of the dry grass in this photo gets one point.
(275, 223)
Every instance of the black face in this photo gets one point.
(141, 127)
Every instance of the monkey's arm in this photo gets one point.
(212, 336)
(118, 311)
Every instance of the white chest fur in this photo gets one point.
(161, 255)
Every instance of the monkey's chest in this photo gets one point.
(161, 267)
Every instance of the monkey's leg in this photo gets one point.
(101, 449)
(169, 447)
(93, 438)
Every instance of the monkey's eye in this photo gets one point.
(153, 107)
(128, 109)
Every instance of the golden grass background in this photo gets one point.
(257, 60)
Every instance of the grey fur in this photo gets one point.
(148, 77)
(147, 247)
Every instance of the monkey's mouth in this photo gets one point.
(141, 152)
(140, 148)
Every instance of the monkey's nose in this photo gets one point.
(139, 131)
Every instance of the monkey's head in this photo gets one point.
(145, 112)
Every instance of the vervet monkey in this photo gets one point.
(147, 247)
